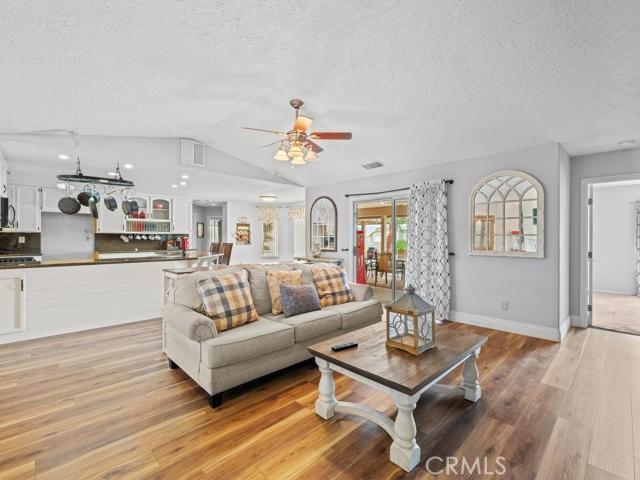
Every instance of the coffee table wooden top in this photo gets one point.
(393, 367)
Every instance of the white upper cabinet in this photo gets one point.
(110, 221)
(181, 210)
(27, 205)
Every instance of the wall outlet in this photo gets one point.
(21, 240)
(505, 306)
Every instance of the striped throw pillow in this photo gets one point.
(332, 286)
(227, 300)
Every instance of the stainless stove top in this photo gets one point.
(19, 259)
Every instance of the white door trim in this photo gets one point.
(583, 319)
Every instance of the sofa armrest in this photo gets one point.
(188, 322)
(361, 292)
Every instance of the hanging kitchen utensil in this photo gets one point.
(111, 203)
(68, 204)
(93, 206)
(84, 195)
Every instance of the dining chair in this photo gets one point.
(383, 266)
(226, 253)
(215, 247)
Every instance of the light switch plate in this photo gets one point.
(21, 240)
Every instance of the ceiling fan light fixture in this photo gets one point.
(281, 155)
(298, 161)
(311, 156)
(295, 151)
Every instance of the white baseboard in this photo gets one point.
(614, 292)
(538, 331)
(575, 321)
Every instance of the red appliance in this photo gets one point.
(361, 276)
(184, 243)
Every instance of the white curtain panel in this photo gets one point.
(428, 245)
(638, 248)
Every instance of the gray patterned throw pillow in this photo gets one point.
(297, 299)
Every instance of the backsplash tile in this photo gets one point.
(9, 243)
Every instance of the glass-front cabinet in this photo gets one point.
(152, 216)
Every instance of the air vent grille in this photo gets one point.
(372, 165)
(192, 153)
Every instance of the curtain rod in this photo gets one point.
(446, 181)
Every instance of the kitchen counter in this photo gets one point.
(62, 261)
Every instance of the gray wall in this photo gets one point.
(481, 284)
(201, 215)
(614, 238)
(621, 162)
(564, 234)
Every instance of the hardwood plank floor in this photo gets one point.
(104, 404)
(616, 312)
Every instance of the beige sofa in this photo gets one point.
(236, 356)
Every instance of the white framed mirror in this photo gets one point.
(324, 225)
(507, 216)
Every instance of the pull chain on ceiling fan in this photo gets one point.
(296, 145)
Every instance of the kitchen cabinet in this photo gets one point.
(181, 215)
(49, 200)
(27, 205)
(110, 221)
(11, 302)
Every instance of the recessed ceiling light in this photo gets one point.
(128, 166)
(63, 186)
(185, 176)
(174, 186)
(63, 156)
(184, 184)
(213, 204)
(269, 197)
(626, 143)
(112, 174)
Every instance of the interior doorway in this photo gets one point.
(614, 255)
(381, 228)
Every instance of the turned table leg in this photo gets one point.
(470, 383)
(326, 403)
(405, 452)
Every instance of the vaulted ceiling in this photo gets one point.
(417, 82)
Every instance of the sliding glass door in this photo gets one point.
(380, 233)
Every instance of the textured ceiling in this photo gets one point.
(417, 82)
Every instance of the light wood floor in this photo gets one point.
(103, 404)
(616, 312)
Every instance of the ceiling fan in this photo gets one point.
(297, 145)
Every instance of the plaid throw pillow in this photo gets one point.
(332, 286)
(227, 300)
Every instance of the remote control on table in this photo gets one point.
(344, 346)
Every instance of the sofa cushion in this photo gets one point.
(185, 292)
(332, 286)
(246, 342)
(227, 300)
(307, 276)
(298, 299)
(259, 286)
(353, 314)
(274, 280)
(309, 325)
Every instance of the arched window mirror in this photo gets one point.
(507, 216)
(324, 225)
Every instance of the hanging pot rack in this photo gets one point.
(94, 181)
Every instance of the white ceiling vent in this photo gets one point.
(372, 165)
(192, 153)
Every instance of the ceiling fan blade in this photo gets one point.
(331, 135)
(309, 145)
(302, 123)
(269, 144)
(282, 134)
